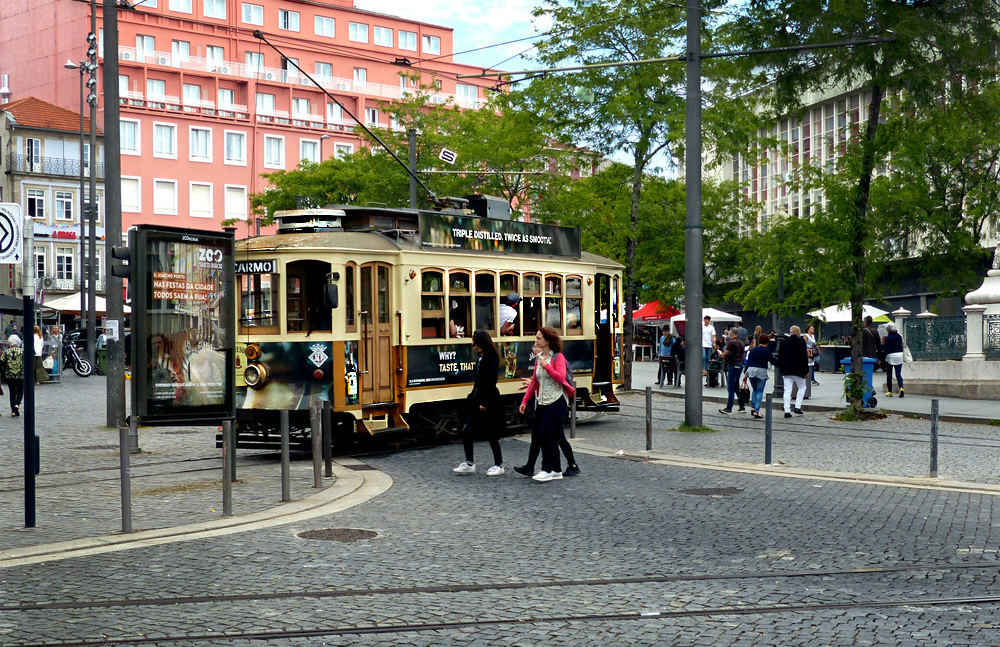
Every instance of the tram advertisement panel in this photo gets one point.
(467, 232)
(183, 324)
(291, 375)
(456, 363)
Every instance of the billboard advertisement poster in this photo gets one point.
(184, 325)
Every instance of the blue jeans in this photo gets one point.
(733, 379)
(888, 376)
(706, 354)
(758, 384)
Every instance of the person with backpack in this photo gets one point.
(552, 391)
(12, 370)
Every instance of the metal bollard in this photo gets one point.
(767, 429)
(125, 467)
(286, 479)
(133, 435)
(316, 435)
(227, 472)
(649, 418)
(934, 438)
(328, 437)
(572, 418)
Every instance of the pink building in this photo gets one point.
(206, 108)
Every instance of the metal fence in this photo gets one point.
(937, 337)
(991, 336)
(65, 166)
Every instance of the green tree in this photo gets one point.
(941, 195)
(636, 109)
(928, 44)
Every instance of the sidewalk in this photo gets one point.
(829, 395)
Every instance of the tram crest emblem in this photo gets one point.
(318, 355)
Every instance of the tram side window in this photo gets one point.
(574, 305)
(308, 308)
(553, 301)
(459, 305)
(295, 317)
(509, 283)
(432, 304)
(531, 303)
(486, 302)
(350, 305)
(614, 303)
(257, 298)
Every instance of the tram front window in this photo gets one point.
(258, 296)
(307, 306)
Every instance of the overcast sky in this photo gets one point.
(477, 23)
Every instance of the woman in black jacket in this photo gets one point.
(485, 408)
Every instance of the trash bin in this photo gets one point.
(869, 399)
(101, 357)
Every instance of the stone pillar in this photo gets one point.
(899, 317)
(974, 332)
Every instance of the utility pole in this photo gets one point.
(694, 261)
(113, 219)
(92, 207)
(411, 136)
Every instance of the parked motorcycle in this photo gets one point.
(72, 359)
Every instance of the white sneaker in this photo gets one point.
(496, 470)
(465, 467)
(545, 477)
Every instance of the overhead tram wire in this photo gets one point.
(433, 196)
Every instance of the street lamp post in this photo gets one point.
(82, 67)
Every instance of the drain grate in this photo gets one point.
(713, 491)
(338, 534)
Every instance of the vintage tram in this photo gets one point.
(371, 309)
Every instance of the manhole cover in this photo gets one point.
(338, 534)
(713, 491)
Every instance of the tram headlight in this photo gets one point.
(253, 351)
(256, 376)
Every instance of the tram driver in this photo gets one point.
(508, 313)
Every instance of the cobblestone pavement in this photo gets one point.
(630, 552)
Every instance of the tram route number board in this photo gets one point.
(11, 242)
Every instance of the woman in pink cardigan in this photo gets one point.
(549, 387)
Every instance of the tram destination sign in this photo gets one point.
(269, 266)
(484, 234)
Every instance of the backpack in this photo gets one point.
(570, 396)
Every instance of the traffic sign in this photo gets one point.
(11, 242)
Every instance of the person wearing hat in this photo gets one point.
(12, 371)
(508, 313)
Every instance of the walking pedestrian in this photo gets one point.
(707, 344)
(39, 343)
(485, 407)
(732, 355)
(666, 341)
(871, 344)
(893, 358)
(742, 333)
(793, 361)
(550, 388)
(12, 370)
(812, 349)
(758, 359)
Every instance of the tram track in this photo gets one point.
(813, 429)
(321, 631)
(509, 586)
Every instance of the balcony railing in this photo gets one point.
(64, 166)
(277, 75)
(936, 337)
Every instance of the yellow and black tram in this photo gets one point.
(371, 309)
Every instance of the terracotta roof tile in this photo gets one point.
(32, 112)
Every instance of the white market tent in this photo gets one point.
(716, 315)
(71, 303)
(841, 314)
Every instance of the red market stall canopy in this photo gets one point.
(653, 313)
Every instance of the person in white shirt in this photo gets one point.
(508, 313)
(707, 343)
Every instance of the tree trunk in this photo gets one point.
(631, 290)
(859, 230)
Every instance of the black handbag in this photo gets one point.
(744, 393)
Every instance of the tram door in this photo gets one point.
(603, 318)
(376, 334)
